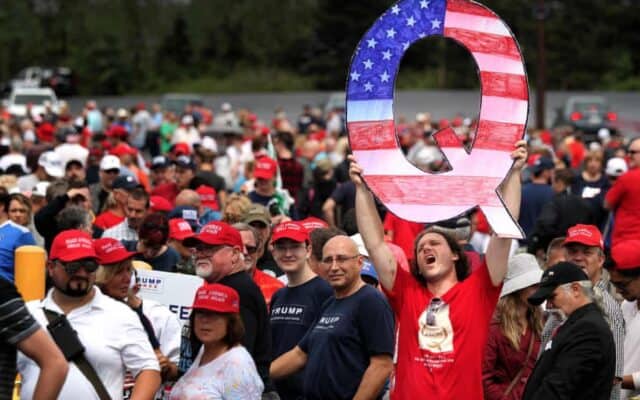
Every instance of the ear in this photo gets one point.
(50, 265)
(455, 257)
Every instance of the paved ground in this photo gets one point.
(442, 104)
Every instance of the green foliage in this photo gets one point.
(123, 46)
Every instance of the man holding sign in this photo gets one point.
(442, 311)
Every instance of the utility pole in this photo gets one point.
(540, 14)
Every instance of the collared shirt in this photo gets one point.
(632, 346)
(613, 316)
(114, 342)
(121, 232)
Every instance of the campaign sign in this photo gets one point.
(407, 191)
(175, 291)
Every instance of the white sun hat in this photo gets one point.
(523, 272)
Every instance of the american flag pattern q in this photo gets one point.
(475, 176)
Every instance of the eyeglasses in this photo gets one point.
(251, 249)
(339, 260)
(632, 152)
(207, 250)
(432, 310)
(288, 247)
(90, 266)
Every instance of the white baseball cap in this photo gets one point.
(40, 189)
(208, 143)
(109, 162)
(52, 164)
(362, 250)
(616, 166)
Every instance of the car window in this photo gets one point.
(590, 107)
(31, 99)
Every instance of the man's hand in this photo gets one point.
(355, 171)
(519, 155)
(79, 191)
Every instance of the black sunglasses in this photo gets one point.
(74, 266)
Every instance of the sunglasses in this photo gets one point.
(251, 249)
(90, 266)
(632, 152)
(432, 310)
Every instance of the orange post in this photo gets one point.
(30, 272)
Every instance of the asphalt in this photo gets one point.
(440, 103)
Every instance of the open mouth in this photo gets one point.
(430, 259)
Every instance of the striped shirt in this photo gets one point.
(16, 324)
(613, 315)
(121, 232)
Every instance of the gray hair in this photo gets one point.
(243, 227)
(74, 217)
(593, 293)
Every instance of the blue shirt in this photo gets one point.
(349, 331)
(534, 197)
(293, 312)
(12, 236)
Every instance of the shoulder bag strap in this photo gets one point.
(84, 366)
(524, 366)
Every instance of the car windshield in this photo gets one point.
(31, 99)
(590, 107)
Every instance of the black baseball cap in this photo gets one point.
(126, 182)
(160, 162)
(556, 275)
(185, 162)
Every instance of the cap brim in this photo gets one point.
(263, 175)
(77, 255)
(540, 295)
(256, 218)
(182, 237)
(54, 171)
(296, 237)
(117, 259)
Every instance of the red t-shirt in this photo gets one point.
(624, 199)
(404, 232)
(442, 361)
(107, 219)
(268, 284)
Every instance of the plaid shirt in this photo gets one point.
(613, 315)
(121, 232)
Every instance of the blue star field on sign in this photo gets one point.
(377, 59)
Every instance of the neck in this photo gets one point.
(68, 303)
(596, 277)
(297, 278)
(581, 303)
(592, 176)
(442, 286)
(540, 180)
(236, 268)
(349, 290)
(212, 351)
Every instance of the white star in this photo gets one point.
(435, 24)
(411, 21)
(371, 43)
(367, 64)
(395, 9)
(424, 4)
(391, 33)
(386, 55)
(384, 77)
(368, 87)
(405, 45)
(355, 76)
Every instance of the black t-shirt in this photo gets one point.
(293, 312)
(253, 310)
(17, 324)
(339, 346)
(345, 196)
(214, 180)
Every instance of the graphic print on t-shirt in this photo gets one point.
(435, 334)
(289, 313)
(328, 322)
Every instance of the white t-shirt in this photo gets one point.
(114, 341)
(631, 316)
(166, 326)
(231, 376)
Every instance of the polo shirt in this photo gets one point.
(114, 342)
(121, 232)
(12, 236)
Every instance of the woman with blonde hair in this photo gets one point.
(514, 333)
(235, 208)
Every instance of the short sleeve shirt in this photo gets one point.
(348, 332)
(442, 359)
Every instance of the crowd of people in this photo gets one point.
(311, 288)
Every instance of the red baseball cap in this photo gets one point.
(117, 131)
(265, 168)
(72, 245)
(122, 149)
(216, 297)
(111, 251)
(159, 203)
(181, 148)
(588, 235)
(179, 229)
(313, 223)
(208, 197)
(290, 230)
(626, 254)
(216, 233)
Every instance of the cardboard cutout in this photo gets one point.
(407, 191)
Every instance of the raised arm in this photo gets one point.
(370, 227)
(498, 250)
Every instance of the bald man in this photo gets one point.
(347, 354)
(191, 198)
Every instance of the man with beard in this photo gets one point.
(218, 251)
(110, 332)
(135, 211)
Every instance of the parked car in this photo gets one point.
(588, 114)
(21, 98)
(61, 79)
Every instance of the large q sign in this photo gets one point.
(475, 176)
